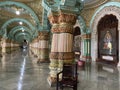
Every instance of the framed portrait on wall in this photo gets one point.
(107, 42)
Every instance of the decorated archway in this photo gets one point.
(29, 10)
(19, 15)
(107, 9)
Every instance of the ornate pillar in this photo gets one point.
(43, 46)
(87, 47)
(62, 42)
(65, 44)
(53, 18)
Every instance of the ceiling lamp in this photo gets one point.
(20, 23)
(23, 30)
(17, 12)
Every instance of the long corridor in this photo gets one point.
(19, 71)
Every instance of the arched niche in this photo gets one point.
(107, 9)
(107, 29)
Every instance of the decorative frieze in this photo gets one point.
(55, 28)
(66, 28)
(62, 28)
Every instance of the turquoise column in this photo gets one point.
(87, 47)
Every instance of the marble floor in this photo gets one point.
(20, 71)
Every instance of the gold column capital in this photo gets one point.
(53, 17)
(67, 18)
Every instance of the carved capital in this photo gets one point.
(43, 35)
(66, 28)
(67, 18)
(55, 28)
(62, 28)
(53, 17)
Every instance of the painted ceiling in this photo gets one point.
(23, 19)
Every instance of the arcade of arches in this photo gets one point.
(60, 32)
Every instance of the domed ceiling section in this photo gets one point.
(20, 19)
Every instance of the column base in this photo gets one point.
(51, 81)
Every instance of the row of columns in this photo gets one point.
(40, 47)
(7, 45)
